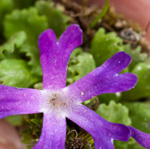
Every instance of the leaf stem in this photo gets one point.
(102, 13)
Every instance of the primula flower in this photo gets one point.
(58, 102)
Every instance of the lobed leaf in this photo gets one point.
(142, 89)
(15, 120)
(32, 24)
(16, 73)
(114, 112)
(6, 6)
(55, 18)
(104, 46)
(26, 20)
(23, 4)
(80, 64)
(16, 41)
(140, 115)
(137, 56)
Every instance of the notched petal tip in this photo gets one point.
(118, 62)
(120, 131)
(46, 39)
(71, 38)
(134, 80)
(105, 79)
(102, 131)
(141, 137)
(55, 55)
(124, 55)
(127, 81)
(75, 27)
(47, 33)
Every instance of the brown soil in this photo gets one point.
(112, 22)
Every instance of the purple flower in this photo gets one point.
(58, 102)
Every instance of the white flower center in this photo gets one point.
(56, 102)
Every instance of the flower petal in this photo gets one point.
(70, 39)
(18, 101)
(102, 131)
(105, 79)
(141, 137)
(53, 133)
(55, 55)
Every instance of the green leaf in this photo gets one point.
(35, 121)
(15, 120)
(27, 137)
(56, 19)
(14, 42)
(23, 4)
(6, 6)
(140, 115)
(120, 145)
(80, 64)
(26, 20)
(142, 89)
(32, 52)
(32, 24)
(137, 56)
(38, 86)
(16, 73)
(29, 147)
(131, 144)
(113, 112)
(106, 98)
(135, 145)
(104, 46)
